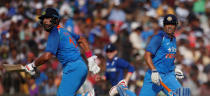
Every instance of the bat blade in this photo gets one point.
(16, 67)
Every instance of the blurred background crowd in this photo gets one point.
(129, 24)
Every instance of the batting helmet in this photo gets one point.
(170, 19)
(50, 13)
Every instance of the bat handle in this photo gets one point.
(166, 87)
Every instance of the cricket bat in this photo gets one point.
(170, 92)
(19, 67)
(11, 67)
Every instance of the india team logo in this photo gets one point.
(172, 49)
(171, 55)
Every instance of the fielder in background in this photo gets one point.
(115, 68)
(160, 55)
(64, 45)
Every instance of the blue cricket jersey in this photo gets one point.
(69, 25)
(115, 69)
(63, 45)
(163, 50)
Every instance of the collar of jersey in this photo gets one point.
(53, 29)
(165, 34)
(59, 26)
(115, 58)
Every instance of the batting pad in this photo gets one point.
(183, 92)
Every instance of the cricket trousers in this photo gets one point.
(74, 75)
(151, 89)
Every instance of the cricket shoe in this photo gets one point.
(90, 93)
(121, 85)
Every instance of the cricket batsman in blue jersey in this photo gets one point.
(64, 45)
(160, 55)
(115, 68)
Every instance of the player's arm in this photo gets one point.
(151, 50)
(128, 76)
(93, 66)
(83, 43)
(50, 50)
(43, 58)
(85, 46)
(148, 59)
(125, 65)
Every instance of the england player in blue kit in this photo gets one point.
(65, 46)
(160, 55)
(115, 68)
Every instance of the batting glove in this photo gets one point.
(155, 77)
(179, 74)
(30, 68)
(93, 66)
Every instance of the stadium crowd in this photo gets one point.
(129, 24)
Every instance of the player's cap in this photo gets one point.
(170, 19)
(49, 13)
(110, 48)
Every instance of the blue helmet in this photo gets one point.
(110, 48)
(170, 19)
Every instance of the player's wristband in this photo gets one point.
(88, 54)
